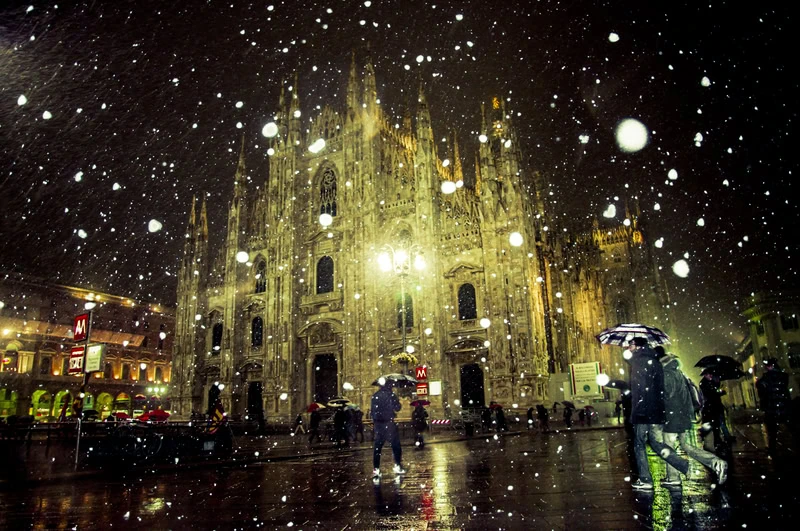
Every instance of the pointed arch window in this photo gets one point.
(623, 315)
(327, 192)
(216, 338)
(257, 332)
(325, 275)
(467, 306)
(409, 307)
(261, 277)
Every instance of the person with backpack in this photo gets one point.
(775, 399)
(680, 412)
(384, 406)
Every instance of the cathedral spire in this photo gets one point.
(294, 114)
(478, 179)
(458, 172)
(203, 229)
(370, 85)
(192, 215)
(353, 85)
(424, 129)
(240, 181)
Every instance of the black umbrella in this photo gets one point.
(724, 373)
(567, 403)
(620, 385)
(718, 360)
(338, 402)
(396, 380)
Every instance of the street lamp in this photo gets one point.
(400, 261)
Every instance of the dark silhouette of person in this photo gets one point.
(544, 418)
(713, 412)
(500, 418)
(529, 414)
(775, 399)
(486, 420)
(340, 437)
(383, 408)
(420, 424)
(568, 416)
(313, 427)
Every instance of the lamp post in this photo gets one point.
(400, 261)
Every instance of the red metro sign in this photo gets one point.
(422, 372)
(80, 330)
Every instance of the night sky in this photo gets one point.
(129, 108)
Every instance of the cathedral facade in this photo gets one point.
(364, 253)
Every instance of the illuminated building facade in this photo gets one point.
(36, 319)
(295, 306)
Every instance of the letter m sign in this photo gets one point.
(80, 331)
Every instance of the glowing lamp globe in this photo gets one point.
(515, 239)
(485, 322)
(325, 219)
(602, 379)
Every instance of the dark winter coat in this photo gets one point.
(384, 405)
(647, 388)
(773, 393)
(418, 419)
(712, 400)
(677, 400)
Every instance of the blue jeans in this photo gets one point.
(386, 431)
(654, 434)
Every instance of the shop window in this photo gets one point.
(108, 372)
(159, 375)
(126, 371)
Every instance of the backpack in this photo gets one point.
(697, 396)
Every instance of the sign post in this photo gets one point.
(81, 330)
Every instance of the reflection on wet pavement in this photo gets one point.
(531, 481)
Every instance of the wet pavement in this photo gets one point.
(578, 479)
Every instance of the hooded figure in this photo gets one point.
(677, 400)
(680, 413)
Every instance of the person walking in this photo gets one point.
(298, 424)
(420, 424)
(544, 418)
(499, 418)
(383, 408)
(713, 412)
(581, 416)
(314, 421)
(356, 424)
(568, 416)
(679, 419)
(555, 408)
(618, 410)
(775, 399)
(340, 438)
(531, 425)
(648, 413)
(486, 420)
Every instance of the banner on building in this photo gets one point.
(583, 377)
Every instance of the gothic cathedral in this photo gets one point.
(364, 253)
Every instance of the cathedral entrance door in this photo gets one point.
(472, 386)
(324, 377)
